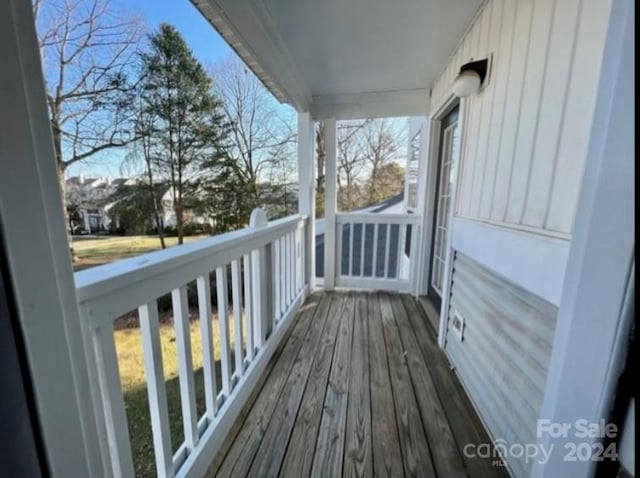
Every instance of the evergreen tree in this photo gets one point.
(185, 127)
(131, 210)
(226, 197)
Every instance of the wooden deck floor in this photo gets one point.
(359, 388)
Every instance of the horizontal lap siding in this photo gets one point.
(503, 357)
(525, 135)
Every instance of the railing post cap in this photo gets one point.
(258, 218)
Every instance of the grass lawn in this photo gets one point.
(93, 252)
(131, 364)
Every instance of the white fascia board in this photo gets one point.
(249, 30)
(373, 104)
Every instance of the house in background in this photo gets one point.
(90, 202)
(521, 250)
(169, 215)
(87, 201)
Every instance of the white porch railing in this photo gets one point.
(268, 280)
(376, 250)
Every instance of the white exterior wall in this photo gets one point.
(525, 139)
(525, 135)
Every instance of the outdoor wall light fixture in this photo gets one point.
(472, 75)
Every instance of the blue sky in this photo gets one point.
(207, 45)
(201, 37)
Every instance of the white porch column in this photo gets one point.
(38, 261)
(426, 161)
(330, 203)
(307, 193)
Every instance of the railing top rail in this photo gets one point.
(376, 218)
(109, 278)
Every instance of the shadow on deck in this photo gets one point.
(359, 388)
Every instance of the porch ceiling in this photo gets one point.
(344, 59)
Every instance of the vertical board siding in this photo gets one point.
(500, 82)
(535, 55)
(503, 357)
(513, 103)
(573, 141)
(525, 134)
(477, 124)
(550, 116)
(487, 112)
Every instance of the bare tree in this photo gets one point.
(259, 128)
(350, 160)
(86, 48)
(351, 151)
(382, 145)
(281, 198)
(145, 152)
(321, 155)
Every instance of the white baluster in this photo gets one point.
(223, 322)
(350, 249)
(185, 366)
(285, 271)
(156, 389)
(208, 352)
(387, 247)
(257, 294)
(277, 280)
(261, 282)
(283, 275)
(113, 402)
(402, 234)
(291, 255)
(299, 260)
(374, 260)
(249, 306)
(236, 290)
(363, 225)
(339, 246)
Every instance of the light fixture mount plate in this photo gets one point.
(481, 67)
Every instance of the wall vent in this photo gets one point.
(457, 324)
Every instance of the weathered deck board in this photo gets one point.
(387, 458)
(357, 449)
(444, 451)
(331, 436)
(250, 435)
(359, 389)
(430, 312)
(413, 440)
(465, 425)
(299, 455)
(274, 442)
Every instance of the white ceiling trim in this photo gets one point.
(374, 104)
(247, 28)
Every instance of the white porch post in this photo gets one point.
(423, 245)
(330, 203)
(261, 285)
(38, 263)
(307, 194)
